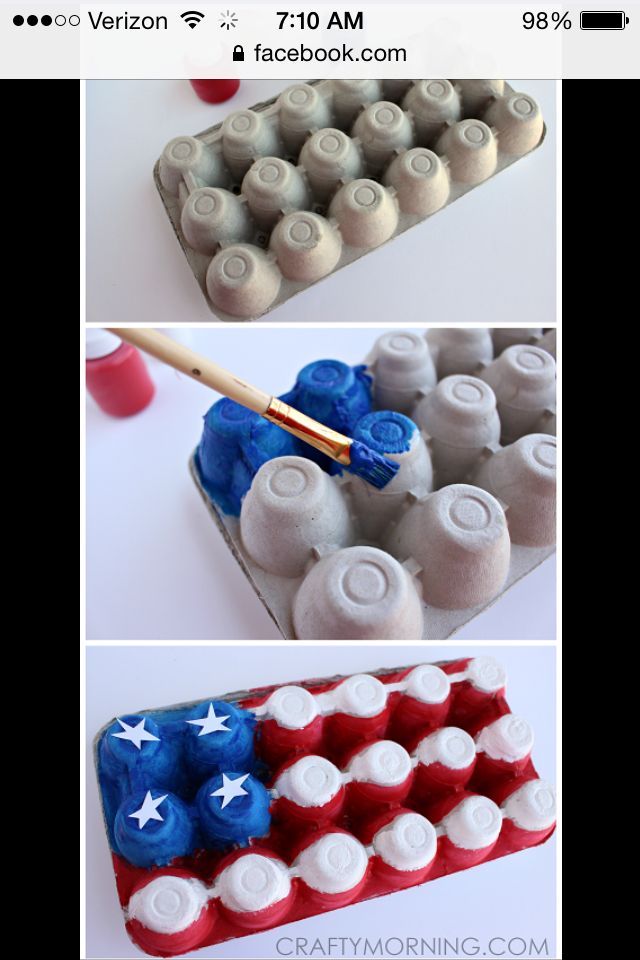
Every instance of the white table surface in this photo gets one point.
(157, 567)
(513, 897)
(488, 258)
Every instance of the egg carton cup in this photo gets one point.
(277, 197)
(278, 593)
(350, 787)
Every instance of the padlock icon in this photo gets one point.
(238, 53)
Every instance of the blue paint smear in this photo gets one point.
(236, 442)
(178, 764)
(386, 431)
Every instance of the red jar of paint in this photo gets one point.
(215, 91)
(117, 377)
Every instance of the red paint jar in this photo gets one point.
(215, 91)
(116, 375)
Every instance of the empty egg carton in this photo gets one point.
(279, 196)
(249, 810)
(470, 512)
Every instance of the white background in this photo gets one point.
(157, 566)
(510, 897)
(488, 258)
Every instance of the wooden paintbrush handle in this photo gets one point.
(194, 365)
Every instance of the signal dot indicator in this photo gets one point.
(46, 20)
(18, 20)
(32, 20)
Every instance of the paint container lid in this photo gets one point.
(100, 343)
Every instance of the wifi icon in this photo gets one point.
(192, 17)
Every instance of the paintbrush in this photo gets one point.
(353, 455)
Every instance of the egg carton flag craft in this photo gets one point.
(248, 810)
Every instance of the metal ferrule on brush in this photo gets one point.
(328, 441)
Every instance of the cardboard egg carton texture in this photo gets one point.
(252, 809)
(277, 197)
(471, 512)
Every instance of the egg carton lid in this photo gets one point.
(199, 262)
(277, 593)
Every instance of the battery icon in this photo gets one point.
(603, 20)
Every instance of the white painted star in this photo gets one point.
(135, 734)
(149, 809)
(230, 789)
(210, 723)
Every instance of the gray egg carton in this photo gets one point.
(280, 196)
(524, 496)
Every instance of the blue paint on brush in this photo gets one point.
(168, 756)
(386, 431)
(371, 466)
(235, 443)
(245, 816)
